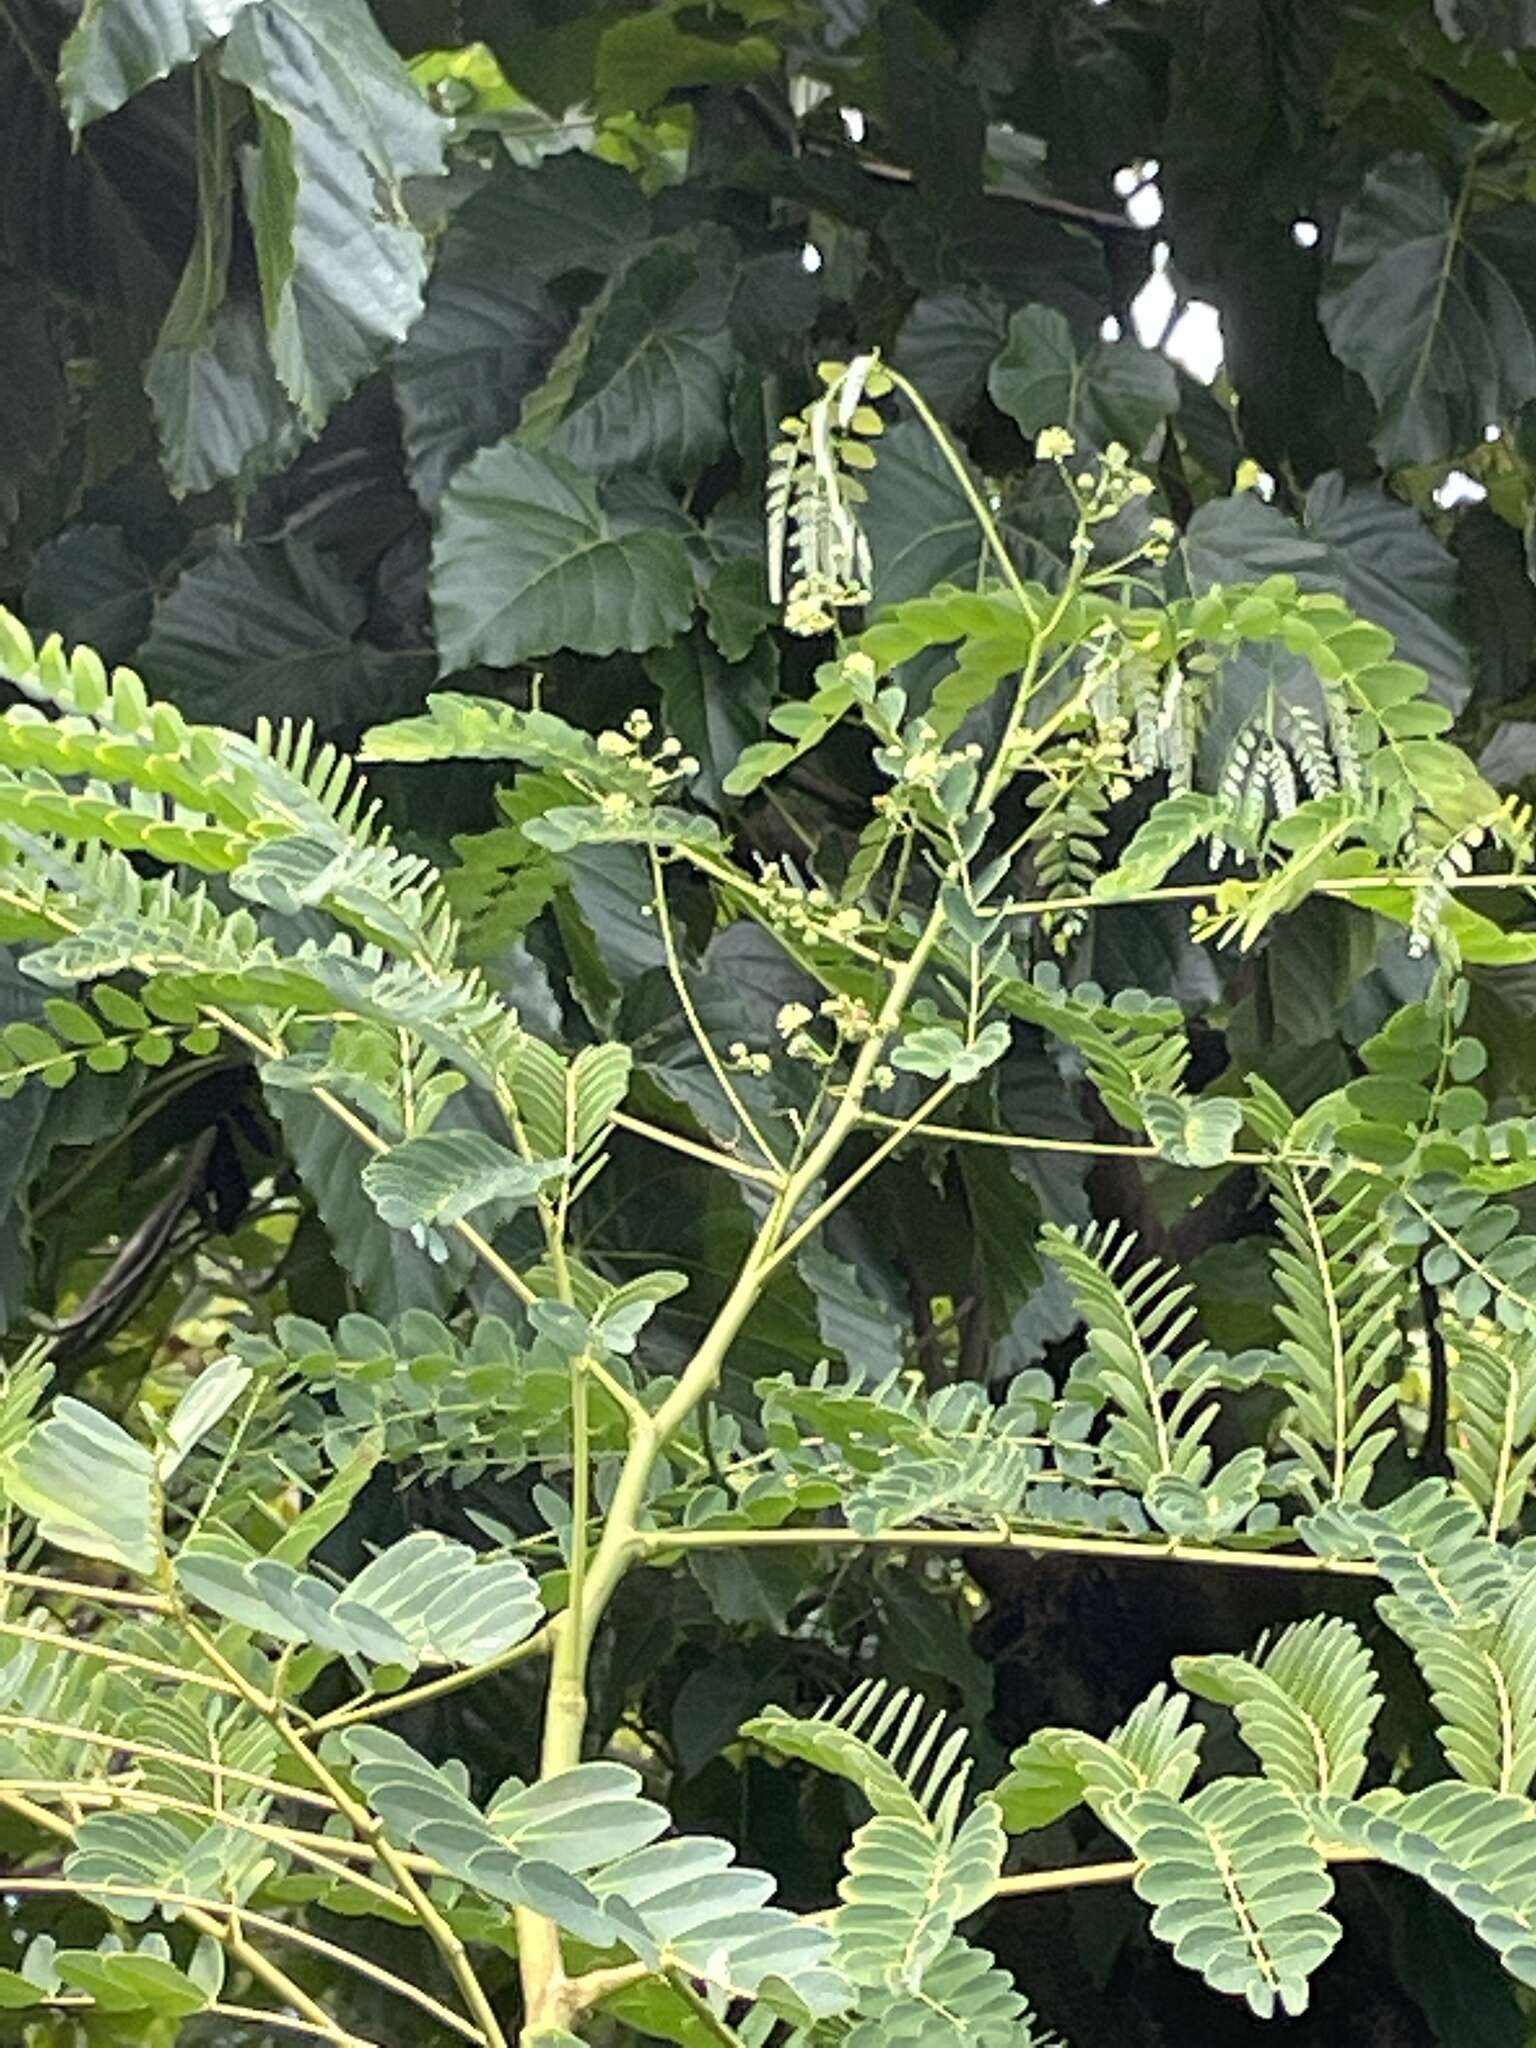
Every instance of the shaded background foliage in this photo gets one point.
(353, 349)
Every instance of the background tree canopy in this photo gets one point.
(355, 352)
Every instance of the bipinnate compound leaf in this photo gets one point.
(1305, 1705)
(89, 1486)
(1238, 1887)
(446, 1175)
(425, 1600)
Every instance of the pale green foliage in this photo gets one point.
(45, 1695)
(424, 1600)
(1156, 1385)
(1154, 1749)
(140, 1979)
(1474, 1847)
(884, 1742)
(1305, 1704)
(585, 1847)
(89, 1485)
(249, 891)
(1429, 1546)
(916, 1867)
(136, 1855)
(1238, 1888)
(443, 1176)
(907, 1885)
(1493, 1446)
(964, 2002)
(1482, 1677)
(1341, 1304)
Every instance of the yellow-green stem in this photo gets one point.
(203, 1915)
(370, 1829)
(543, 1975)
(386, 1704)
(649, 1542)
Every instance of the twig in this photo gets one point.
(650, 1541)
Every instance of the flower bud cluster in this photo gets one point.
(805, 913)
(1104, 492)
(666, 764)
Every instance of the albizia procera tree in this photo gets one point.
(815, 1315)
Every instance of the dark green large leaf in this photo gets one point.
(714, 706)
(33, 396)
(1112, 391)
(269, 628)
(1242, 121)
(1241, 539)
(107, 223)
(1087, 80)
(1435, 305)
(933, 117)
(1356, 540)
(1500, 604)
(946, 346)
(219, 407)
(491, 327)
(921, 530)
(119, 46)
(88, 584)
(1002, 245)
(1503, 24)
(526, 562)
(483, 343)
(342, 127)
(573, 212)
(652, 388)
(389, 1272)
(1388, 564)
(21, 1119)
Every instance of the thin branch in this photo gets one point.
(231, 1935)
(226, 1933)
(758, 900)
(358, 1711)
(1034, 202)
(214, 1916)
(284, 2022)
(35, 1815)
(590, 1989)
(1492, 1280)
(651, 1541)
(320, 1851)
(1028, 1141)
(151, 1752)
(366, 1135)
(679, 982)
(675, 1142)
(629, 1404)
(122, 1660)
(717, 2028)
(1079, 1876)
(900, 1130)
(1206, 892)
(81, 1589)
(1076, 1877)
(368, 1827)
